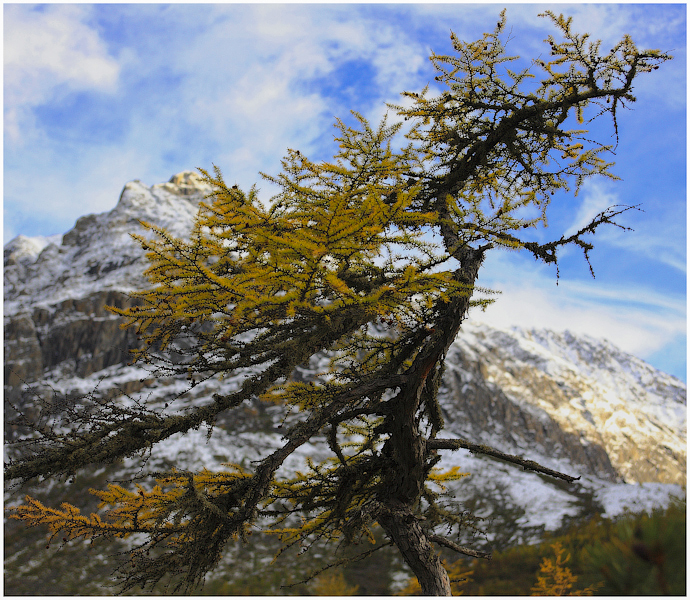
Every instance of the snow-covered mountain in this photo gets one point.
(98, 253)
(573, 403)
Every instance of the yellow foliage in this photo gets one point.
(332, 584)
(556, 579)
(313, 257)
(156, 511)
(440, 477)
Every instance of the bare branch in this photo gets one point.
(529, 465)
(461, 549)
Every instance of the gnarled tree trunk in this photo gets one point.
(402, 489)
(403, 528)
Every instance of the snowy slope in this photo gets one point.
(592, 390)
(99, 252)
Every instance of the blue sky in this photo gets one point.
(98, 95)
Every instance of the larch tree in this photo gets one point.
(373, 259)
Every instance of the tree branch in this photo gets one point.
(438, 539)
(528, 465)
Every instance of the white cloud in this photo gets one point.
(46, 53)
(656, 236)
(595, 200)
(258, 94)
(636, 330)
(239, 92)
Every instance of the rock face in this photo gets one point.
(573, 403)
(609, 412)
(56, 289)
(77, 336)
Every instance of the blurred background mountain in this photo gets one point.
(570, 402)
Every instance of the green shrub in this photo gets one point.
(646, 555)
(639, 554)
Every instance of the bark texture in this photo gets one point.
(403, 528)
(409, 449)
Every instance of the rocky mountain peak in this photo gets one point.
(186, 183)
(98, 252)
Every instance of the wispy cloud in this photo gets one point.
(97, 95)
(596, 199)
(637, 319)
(659, 235)
(48, 53)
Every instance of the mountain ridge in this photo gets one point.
(573, 403)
